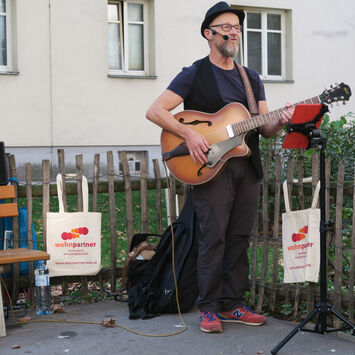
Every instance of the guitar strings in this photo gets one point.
(247, 124)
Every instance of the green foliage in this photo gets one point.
(286, 309)
(340, 135)
(340, 142)
(340, 138)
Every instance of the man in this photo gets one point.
(226, 206)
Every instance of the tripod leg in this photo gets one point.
(294, 331)
(341, 317)
(321, 325)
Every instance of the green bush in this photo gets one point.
(340, 136)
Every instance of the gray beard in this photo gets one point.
(227, 52)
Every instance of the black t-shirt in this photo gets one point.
(229, 82)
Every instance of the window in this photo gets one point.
(128, 37)
(264, 43)
(134, 162)
(5, 42)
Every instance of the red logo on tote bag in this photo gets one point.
(75, 233)
(296, 237)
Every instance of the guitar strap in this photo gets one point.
(253, 107)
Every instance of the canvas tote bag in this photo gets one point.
(301, 240)
(73, 238)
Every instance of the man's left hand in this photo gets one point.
(287, 114)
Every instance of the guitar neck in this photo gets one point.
(261, 120)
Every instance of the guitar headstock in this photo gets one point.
(339, 92)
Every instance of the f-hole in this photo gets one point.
(194, 123)
(199, 172)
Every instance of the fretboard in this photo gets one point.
(261, 120)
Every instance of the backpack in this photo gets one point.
(150, 283)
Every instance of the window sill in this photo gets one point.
(132, 76)
(9, 73)
(278, 81)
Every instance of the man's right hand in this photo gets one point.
(197, 144)
(159, 113)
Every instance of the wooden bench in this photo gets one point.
(11, 256)
(8, 209)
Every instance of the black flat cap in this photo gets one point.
(218, 9)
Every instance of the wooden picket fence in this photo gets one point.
(267, 290)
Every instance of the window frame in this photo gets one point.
(264, 39)
(7, 15)
(124, 22)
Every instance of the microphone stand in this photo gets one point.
(316, 140)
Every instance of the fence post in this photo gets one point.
(61, 167)
(79, 183)
(182, 197)
(159, 195)
(338, 243)
(95, 186)
(46, 176)
(327, 205)
(276, 233)
(113, 232)
(172, 198)
(95, 181)
(144, 195)
(128, 194)
(15, 233)
(29, 229)
(289, 177)
(254, 260)
(265, 223)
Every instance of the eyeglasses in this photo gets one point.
(227, 27)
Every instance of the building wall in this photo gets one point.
(25, 99)
(63, 97)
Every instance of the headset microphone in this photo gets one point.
(225, 37)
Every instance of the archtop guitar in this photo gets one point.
(226, 132)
